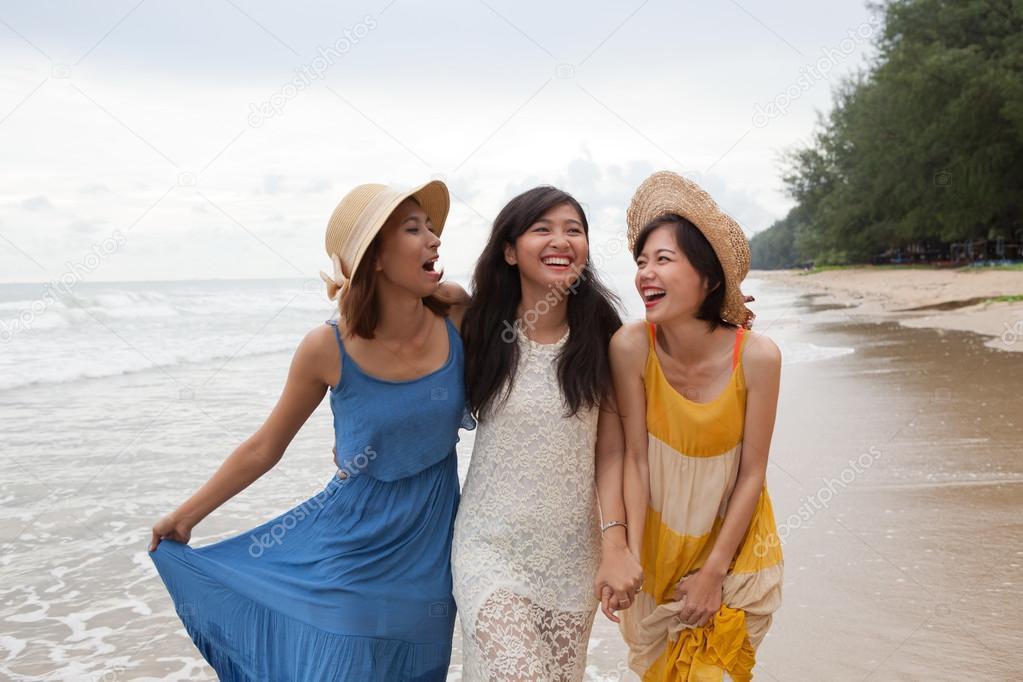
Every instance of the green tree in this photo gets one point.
(924, 145)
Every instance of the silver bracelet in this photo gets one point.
(611, 524)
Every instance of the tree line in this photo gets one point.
(923, 148)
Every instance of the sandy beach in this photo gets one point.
(952, 299)
(895, 474)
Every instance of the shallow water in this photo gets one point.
(896, 477)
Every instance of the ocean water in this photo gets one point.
(117, 401)
(103, 330)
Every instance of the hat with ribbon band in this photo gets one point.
(359, 217)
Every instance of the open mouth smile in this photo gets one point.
(557, 262)
(653, 295)
(430, 267)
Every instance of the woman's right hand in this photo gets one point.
(170, 527)
(619, 577)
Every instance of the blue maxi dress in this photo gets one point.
(355, 582)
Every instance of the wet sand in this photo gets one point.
(896, 475)
(981, 300)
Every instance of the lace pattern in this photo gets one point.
(526, 543)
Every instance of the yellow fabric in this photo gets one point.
(668, 556)
(705, 654)
(697, 429)
(662, 649)
(761, 546)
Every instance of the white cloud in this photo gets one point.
(37, 203)
(153, 139)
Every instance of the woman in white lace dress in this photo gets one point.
(528, 559)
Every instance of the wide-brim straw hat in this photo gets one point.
(664, 193)
(359, 217)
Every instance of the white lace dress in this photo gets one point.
(527, 537)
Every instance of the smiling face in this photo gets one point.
(408, 250)
(553, 250)
(670, 286)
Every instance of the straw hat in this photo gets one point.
(359, 217)
(665, 192)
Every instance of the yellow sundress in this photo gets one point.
(693, 451)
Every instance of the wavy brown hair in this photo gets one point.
(359, 307)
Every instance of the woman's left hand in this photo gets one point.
(701, 593)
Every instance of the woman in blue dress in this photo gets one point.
(355, 582)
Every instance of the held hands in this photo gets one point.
(619, 577)
(170, 527)
(700, 594)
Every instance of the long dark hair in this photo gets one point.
(489, 326)
(700, 254)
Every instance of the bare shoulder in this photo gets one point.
(761, 357)
(631, 335)
(630, 344)
(319, 341)
(317, 355)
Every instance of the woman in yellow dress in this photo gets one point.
(698, 394)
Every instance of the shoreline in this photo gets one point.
(954, 300)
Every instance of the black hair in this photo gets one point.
(489, 328)
(700, 254)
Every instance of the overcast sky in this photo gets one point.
(171, 137)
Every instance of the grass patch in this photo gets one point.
(868, 266)
(1008, 298)
(912, 266)
(985, 268)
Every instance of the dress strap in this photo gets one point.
(452, 329)
(652, 328)
(341, 350)
(337, 335)
(740, 337)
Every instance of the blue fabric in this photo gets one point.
(363, 431)
(355, 582)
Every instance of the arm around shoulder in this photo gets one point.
(458, 298)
